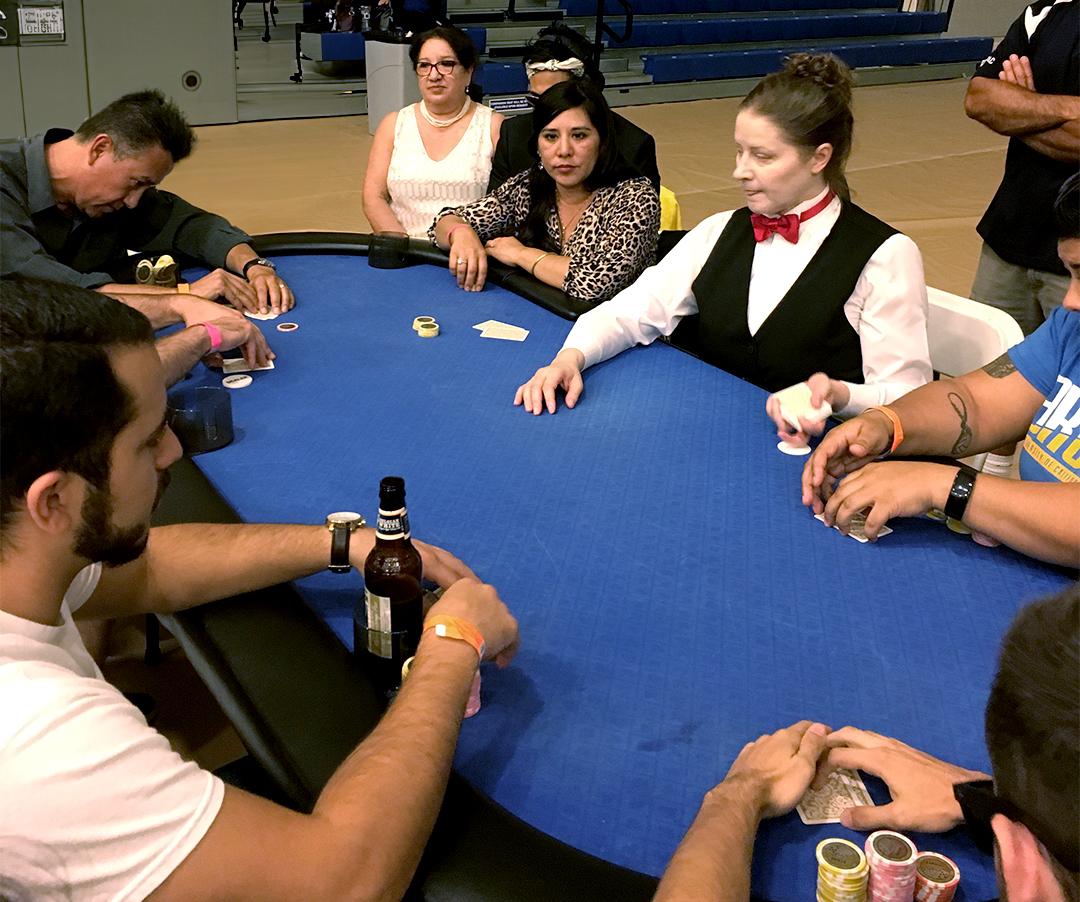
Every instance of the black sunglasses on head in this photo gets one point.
(979, 803)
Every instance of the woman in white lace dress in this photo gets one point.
(435, 153)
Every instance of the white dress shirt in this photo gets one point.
(887, 309)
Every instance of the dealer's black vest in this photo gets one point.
(808, 331)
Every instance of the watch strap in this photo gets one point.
(960, 493)
(339, 548)
(256, 261)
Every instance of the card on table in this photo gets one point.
(232, 365)
(261, 316)
(795, 402)
(856, 527)
(844, 789)
(494, 329)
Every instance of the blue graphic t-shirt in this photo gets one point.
(1050, 360)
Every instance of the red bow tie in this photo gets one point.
(786, 226)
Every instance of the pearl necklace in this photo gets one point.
(444, 123)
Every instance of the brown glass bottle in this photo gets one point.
(388, 620)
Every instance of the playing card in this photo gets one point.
(795, 402)
(232, 365)
(844, 789)
(261, 316)
(505, 331)
(488, 322)
(855, 528)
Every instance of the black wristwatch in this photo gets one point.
(257, 261)
(960, 493)
(342, 525)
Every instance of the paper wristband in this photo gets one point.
(456, 628)
(898, 429)
(215, 335)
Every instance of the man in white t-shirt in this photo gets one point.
(94, 803)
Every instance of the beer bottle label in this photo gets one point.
(392, 524)
(378, 632)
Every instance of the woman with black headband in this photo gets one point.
(557, 55)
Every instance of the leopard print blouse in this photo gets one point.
(613, 241)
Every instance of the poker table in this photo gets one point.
(675, 598)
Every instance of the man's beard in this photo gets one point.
(99, 539)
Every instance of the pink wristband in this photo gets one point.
(450, 234)
(215, 335)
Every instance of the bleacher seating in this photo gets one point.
(676, 67)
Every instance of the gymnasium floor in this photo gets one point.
(918, 163)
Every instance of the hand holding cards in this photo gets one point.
(795, 404)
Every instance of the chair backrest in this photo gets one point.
(965, 335)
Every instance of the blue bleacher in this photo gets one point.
(679, 67)
(679, 7)
(666, 32)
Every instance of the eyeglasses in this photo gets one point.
(979, 803)
(443, 67)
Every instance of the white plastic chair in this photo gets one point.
(965, 335)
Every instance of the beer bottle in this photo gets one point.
(387, 626)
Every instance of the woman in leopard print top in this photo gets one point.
(574, 221)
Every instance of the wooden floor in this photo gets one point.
(918, 163)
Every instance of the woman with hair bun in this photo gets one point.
(798, 285)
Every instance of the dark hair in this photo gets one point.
(1033, 720)
(62, 403)
(140, 121)
(561, 42)
(809, 100)
(609, 170)
(462, 45)
(1067, 209)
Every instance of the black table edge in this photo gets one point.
(419, 251)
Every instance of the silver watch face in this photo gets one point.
(344, 518)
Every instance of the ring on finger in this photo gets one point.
(460, 260)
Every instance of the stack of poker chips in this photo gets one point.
(892, 858)
(936, 877)
(842, 871)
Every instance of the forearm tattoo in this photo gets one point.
(963, 439)
(1000, 368)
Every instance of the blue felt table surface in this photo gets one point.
(675, 598)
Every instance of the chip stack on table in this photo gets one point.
(425, 326)
(892, 858)
(936, 878)
(842, 871)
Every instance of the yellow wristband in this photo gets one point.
(898, 429)
(532, 269)
(183, 288)
(456, 628)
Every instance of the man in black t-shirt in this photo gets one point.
(1027, 89)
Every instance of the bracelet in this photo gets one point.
(183, 288)
(898, 429)
(457, 628)
(450, 234)
(215, 335)
(960, 493)
(532, 269)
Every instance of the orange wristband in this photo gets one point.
(457, 628)
(898, 429)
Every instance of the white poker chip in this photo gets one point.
(237, 380)
(793, 450)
